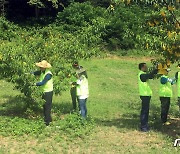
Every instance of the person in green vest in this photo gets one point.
(145, 93)
(165, 94)
(77, 68)
(177, 76)
(82, 91)
(46, 86)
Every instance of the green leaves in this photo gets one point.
(42, 4)
(78, 33)
(73, 125)
(61, 49)
(19, 126)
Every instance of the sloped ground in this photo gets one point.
(114, 105)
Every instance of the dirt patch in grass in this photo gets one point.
(111, 140)
(129, 58)
(173, 129)
(15, 145)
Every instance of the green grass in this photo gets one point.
(113, 125)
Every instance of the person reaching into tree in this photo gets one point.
(82, 91)
(74, 98)
(177, 76)
(165, 94)
(145, 93)
(46, 86)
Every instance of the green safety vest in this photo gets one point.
(178, 84)
(49, 84)
(144, 87)
(82, 89)
(165, 89)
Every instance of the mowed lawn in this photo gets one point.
(114, 105)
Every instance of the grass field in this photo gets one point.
(113, 106)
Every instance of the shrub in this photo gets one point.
(18, 57)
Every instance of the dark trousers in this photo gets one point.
(73, 97)
(165, 104)
(47, 96)
(179, 103)
(145, 111)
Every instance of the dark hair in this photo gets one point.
(83, 73)
(75, 63)
(141, 65)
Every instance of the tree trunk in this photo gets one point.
(2, 9)
(37, 11)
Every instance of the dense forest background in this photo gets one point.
(64, 31)
(35, 8)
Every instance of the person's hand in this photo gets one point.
(173, 81)
(169, 80)
(73, 86)
(74, 83)
(155, 71)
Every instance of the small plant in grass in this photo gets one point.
(75, 126)
(19, 126)
(72, 126)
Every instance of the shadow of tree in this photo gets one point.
(17, 106)
(63, 107)
(125, 121)
(131, 121)
(13, 106)
(172, 130)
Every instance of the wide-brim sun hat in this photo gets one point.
(79, 71)
(43, 64)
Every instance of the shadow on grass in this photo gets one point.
(63, 107)
(132, 122)
(125, 121)
(17, 106)
(12, 106)
(172, 130)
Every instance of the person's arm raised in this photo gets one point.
(45, 80)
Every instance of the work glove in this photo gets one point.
(169, 80)
(172, 81)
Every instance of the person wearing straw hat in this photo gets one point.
(74, 98)
(177, 76)
(46, 84)
(82, 91)
(165, 94)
